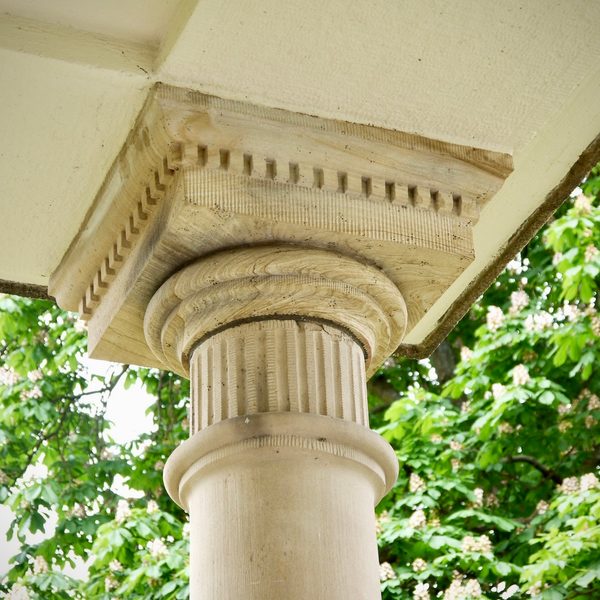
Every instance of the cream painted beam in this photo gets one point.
(66, 44)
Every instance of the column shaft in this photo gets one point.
(281, 473)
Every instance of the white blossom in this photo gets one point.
(144, 446)
(518, 301)
(460, 591)
(386, 571)
(456, 464)
(187, 527)
(152, 507)
(505, 427)
(564, 409)
(510, 592)
(157, 548)
(415, 483)
(417, 519)
(34, 376)
(539, 321)
(570, 485)
(472, 588)
(34, 473)
(107, 454)
(515, 266)
(478, 497)
(78, 511)
(123, 511)
(481, 544)
(571, 312)
(115, 565)
(455, 591)
(594, 402)
(18, 592)
(494, 318)
(456, 445)
(564, 426)
(498, 390)
(535, 589)
(80, 326)
(583, 204)
(8, 376)
(4, 479)
(492, 500)
(520, 375)
(466, 353)
(39, 565)
(596, 325)
(542, 507)
(436, 438)
(590, 253)
(419, 565)
(110, 583)
(590, 421)
(583, 394)
(159, 465)
(558, 256)
(33, 393)
(421, 591)
(589, 481)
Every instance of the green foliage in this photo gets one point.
(498, 494)
(59, 464)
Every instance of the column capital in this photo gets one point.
(248, 284)
(199, 175)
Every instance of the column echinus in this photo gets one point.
(276, 260)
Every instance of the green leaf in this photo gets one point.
(502, 568)
(439, 541)
(561, 355)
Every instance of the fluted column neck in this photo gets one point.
(278, 366)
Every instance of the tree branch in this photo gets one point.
(530, 460)
(443, 362)
(384, 391)
(48, 434)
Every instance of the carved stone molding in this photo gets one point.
(241, 285)
(309, 432)
(200, 175)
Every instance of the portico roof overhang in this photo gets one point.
(521, 81)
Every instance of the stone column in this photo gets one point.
(276, 259)
(281, 473)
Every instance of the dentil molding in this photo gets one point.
(200, 177)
